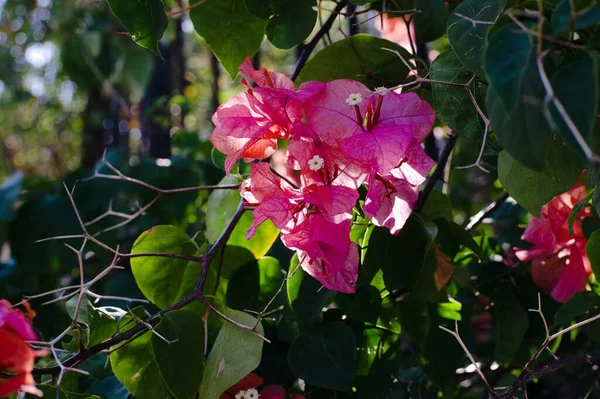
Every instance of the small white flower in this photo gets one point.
(241, 394)
(316, 163)
(354, 99)
(381, 90)
(251, 394)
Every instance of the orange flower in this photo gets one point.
(16, 357)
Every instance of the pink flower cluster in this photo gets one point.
(340, 135)
(560, 264)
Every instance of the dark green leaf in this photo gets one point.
(145, 20)
(135, 366)
(163, 280)
(405, 259)
(180, 361)
(451, 237)
(512, 323)
(592, 249)
(586, 13)
(467, 30)
(430, 21)
(437, 206)
(50, 391)
(291, 23)
(235, 354)
(230, 30)
(363, 306)
(507, 57)
(533, 189)
(101, 323)
(575, 85)
(580, 206)
(360, 57)
(452, 104)
(580, 304)
(9, 194)
(253, 285)
(325, 357)
(220, 207)
(306, 296)
(260, 8)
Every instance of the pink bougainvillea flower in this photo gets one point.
(288, 206)
(249, 124)
(326, 252)
(273, 392)
(414, 165)
(16, 357)
(559, 261)
(389, 202)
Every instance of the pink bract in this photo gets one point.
(559, 262)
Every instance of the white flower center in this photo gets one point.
(354, 99)
(316, 163)
(251, 394)
(240, 395)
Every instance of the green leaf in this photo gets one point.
(235, 354)
(512, 323)
(221, 206)
(592, 249)
(306, 296)
(585, 14)
(135, 366)
(9, 194)
(430, 21)
(325, 357)
(467, 30)
(230, 30)
(405, 259)
(163, 280)
(363, 306)
(452, 104)
(253, 285)
(180, 361)
(524, 131)
(451, 237)
(580, 206)
(50, 391)
(533, 189)
(291, 23)
(260, 8)
(507, 57)
(360, 57)
(101, 323)
(580, 304)
(575, 85)
(145, 20)
(437, 206)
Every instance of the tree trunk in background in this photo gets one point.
(430, 144)
(94, 134)
(353, 28)
(167, 77)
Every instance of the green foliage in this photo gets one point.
(360, 57)
(452, 103)
(145, 20)
(291, 22)
(179, 352)
(230, 30)
(235, 353)
(163, 280)
(467, 30)
(325, 356)
(533, 189)
(220, 207)
(430, 21)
